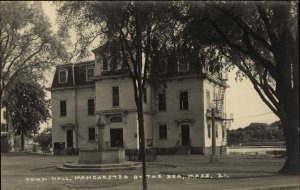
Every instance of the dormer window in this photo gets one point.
(105, 64)
(116, 63)
(182, 65)
(62, 76)
(89, 74)
(119, 63)
(162, 67)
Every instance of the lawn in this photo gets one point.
(26, 171)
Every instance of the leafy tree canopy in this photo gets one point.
(27, 107)
(28, 44)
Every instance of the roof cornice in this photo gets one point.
(71, 87)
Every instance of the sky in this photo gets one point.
(241, 98)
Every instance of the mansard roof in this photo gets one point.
(76, 75)
(108, 47)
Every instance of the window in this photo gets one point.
(119, 63)
(4, 115)
(145, 95)
(91, 107)
(62, 76)
(162, 67)
(89, 74)
(115, 64)
(115, 96)
(123, 64)
(223, 133)
(217, 132)
(63, 108)
(209, 130)
(92, 134)
(105, 64)
(162, 104)
(184, 100)
(182, 65)
(163, 131)
(207, 99)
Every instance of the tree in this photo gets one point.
(255, 132)
(44, 139)
(262, 40)
(140, 29)
(27, 43)
(27, 107)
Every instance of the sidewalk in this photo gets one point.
(267, 183)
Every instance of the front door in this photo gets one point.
(185, 135)
(116, 137)
(69, 138)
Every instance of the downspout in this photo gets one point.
(204, 121)
(75, 109)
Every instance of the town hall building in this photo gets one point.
(177, 115)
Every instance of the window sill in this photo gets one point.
(162, 139)
(91, 141)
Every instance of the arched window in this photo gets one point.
(116, 119)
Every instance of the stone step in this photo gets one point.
(76, 165)
(62, 168)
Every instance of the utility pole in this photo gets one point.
(213, 156)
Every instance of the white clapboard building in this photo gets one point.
(176, 115)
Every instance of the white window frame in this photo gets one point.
(167, 128)
(119, 101)
(86, 73)
(188, 100)
(178, 65)
(158, 102)
(88, 106)
(59, 79)
(60, 108)
(95, 134)
(107, 62)
(119, 64)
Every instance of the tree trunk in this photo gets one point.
(287, 89)
(139, 101)
(142, 144)
(291, 135)
(289, 117)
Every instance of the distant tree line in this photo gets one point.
(256, 132)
